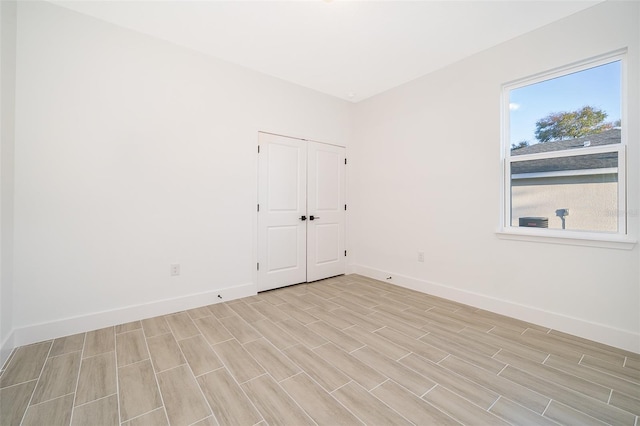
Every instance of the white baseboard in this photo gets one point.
(602, 333)
(6, 347)
(80, 324)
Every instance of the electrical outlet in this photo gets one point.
(421, 256)
(175, 269)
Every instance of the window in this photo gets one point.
(564, 153)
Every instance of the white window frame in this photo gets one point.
(619, 239)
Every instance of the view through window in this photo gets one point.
(565, 162)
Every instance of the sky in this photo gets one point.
(598, 87)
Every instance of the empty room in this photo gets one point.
(319, 212)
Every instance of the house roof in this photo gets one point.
(578, 162)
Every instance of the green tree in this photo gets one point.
(520, 144)
(570, 125)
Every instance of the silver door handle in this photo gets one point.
(314, 217)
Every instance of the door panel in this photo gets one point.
(327, 243)
(327, 174)
(282, 244)
(325, 201)
(282, 248)
(284, 177)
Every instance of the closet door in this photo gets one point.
(301, 215)
(282, 223)
(326, 208)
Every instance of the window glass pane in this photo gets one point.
(574, 193)
(572, 111)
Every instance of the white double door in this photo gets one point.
(301, 211)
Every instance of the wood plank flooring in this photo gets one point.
(346, 350)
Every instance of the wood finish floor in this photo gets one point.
(347, 350)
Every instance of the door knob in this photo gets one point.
(314, 217)
(303, 218)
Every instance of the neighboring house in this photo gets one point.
(587, 185)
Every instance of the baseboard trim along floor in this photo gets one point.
(616, 337)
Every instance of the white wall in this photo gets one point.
(133, 154)
(428, 154)
(7, 114)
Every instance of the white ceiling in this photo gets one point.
(349, 49)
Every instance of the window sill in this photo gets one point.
(572, 238)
